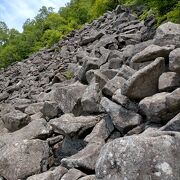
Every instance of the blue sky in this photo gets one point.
(15, 12)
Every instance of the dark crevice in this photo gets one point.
(86, 171)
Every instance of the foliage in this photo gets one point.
(49, 27)
(68, 75)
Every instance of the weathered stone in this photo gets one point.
(86, 158)
(90, 177)
(69, 125)
(22, 159)
(110, 73)
(68, 97)
(36, 116)
(122, 118)
(174, 60)
(112, 85)
(145, 81)
(15, 120)
(58, 78)
(115, 63)
(34, 108)
(54, 140)
(169, 81)
(126, 72)
(140, 157)
(161, 107)
(4, 96)
(152, 52)
(54, 174)
(167, 34)
(73, 174)
(91, 99)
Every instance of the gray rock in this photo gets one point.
(55, 139)
(54, 174)
(173, 124)
(140, 157)
(4, 96)
(145, 81)
(73, 174)
(36, 116)
(169, 81)
(152, 52)
(34, 108)
(90, 177)
(174, 60)
(161, 107)
(110, 73)
(69, 125)
(15, 120)
(22, 159)
(167, 34)
(126, 72)
(112, 85)
(86, 158)
(68, 97)
(122, 118)
(115, 63)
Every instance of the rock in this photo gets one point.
(140, 157)
(86, 158)
(91, 99)
(58, 78)
(152, 52)
(110, 73)
(173, 124)
(90, 177)
(67, 124)
(145, 81)
(122, 118)
(22, 159)
(73, 174)
(68, 97)
(112, 85)
(161, 107)
(126, 72)
(167, 34)
(34, 108)
(102, 130)
(174, 60)
(50, 109)
(54, 140)
(115, 63)
(36, 116)
(4, 96)
(15, 120)
(169, 81)
(54, 174)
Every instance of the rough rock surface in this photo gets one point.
(105, 96)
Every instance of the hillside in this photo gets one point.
(103, 103)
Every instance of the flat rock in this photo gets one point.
(145, 81)
(174, 60)
(126, 72)
(90, 177)
(34, 108)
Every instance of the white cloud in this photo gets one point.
(14, 13)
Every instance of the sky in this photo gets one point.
(15, 12)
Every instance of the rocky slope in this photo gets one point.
(117, 117)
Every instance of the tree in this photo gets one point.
(3, 33)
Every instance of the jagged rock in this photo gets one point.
(70, 125)
(169, 81)
(102, 130)
(173, 124)
(161, 107)
(140, 157)
(54, 174)
(34, 108)
(37, 116)
(126, 72)
(4, 96)
(110, 73)
(22, 159)
(68, 97)
(91, 99)
(174, 60)
(15, 120)
(112, 85)
(122, 118)
(58, 78)
(90, 177)
(50, 109)
(167, 34)
(152, 52)
(145, 81)
(86, 158)
(73, 174)
(115, 63)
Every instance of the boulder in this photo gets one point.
(67, 124)
(90, 177)
(174, 60)
(140, 157)
(126, 72)
(22, 159)
(34, 108)
(169, 81)
(145, 81)
(122, 118)
(167, 34)
(15, 120)
(115, 63)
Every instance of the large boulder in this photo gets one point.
(161, 107)
(122, 118)
(174, 60)
(140, 158)
(22, 159)
(167, 34)
(145, 81)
